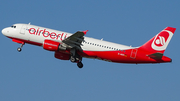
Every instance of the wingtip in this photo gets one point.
(85, 31)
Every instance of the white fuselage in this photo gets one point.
(35, 34)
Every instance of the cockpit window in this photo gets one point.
(13, 26)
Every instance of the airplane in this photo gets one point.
(74, 47)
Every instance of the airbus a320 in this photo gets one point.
(74, 47)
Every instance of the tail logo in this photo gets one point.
(161, 40)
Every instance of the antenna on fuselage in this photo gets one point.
(29, 23)
(102, 39)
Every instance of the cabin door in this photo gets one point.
(23, 29)
(133, 53)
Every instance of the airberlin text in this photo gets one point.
(46, 34)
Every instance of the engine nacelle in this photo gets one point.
(52, 45)
(62, 56)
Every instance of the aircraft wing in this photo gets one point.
(75, 40)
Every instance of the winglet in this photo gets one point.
(85, 32)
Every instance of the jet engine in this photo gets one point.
(62, 56)
(52, 45)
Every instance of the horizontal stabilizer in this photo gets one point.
(156, 56)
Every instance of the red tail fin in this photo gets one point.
(159, 43)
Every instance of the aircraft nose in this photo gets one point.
(4, 31)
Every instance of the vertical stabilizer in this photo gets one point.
(159, 43)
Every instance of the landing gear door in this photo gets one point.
(23, 29)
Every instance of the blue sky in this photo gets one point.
(35, 75)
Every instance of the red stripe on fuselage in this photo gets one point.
(27, 41)
(123, 56)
